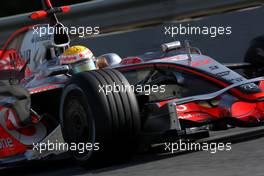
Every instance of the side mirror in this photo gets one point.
(166, 47)
(58, 70)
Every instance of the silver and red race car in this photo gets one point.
(152, 98)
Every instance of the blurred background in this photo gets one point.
(133, 27)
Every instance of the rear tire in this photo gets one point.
(110, 121)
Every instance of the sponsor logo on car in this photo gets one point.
(6, 143)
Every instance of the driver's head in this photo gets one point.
(79, 58)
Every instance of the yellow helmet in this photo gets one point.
(79, 58)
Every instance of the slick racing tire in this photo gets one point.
(108, 123)
(255, 56)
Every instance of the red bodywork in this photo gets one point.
(241, 110)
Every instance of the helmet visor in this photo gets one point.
(85, 65)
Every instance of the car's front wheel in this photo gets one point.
(107, 124)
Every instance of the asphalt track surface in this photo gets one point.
(246, 156)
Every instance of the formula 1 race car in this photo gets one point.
(103, 115)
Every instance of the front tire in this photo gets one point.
(109, 121)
